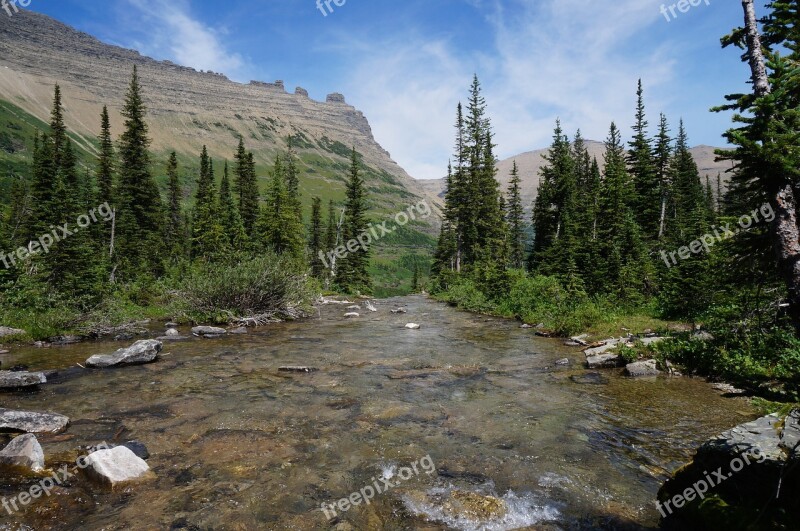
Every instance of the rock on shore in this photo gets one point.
(755, 470)
(16, 380)
(139, 353)
(23, 451)
(31, 422)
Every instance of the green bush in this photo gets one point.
(267, 285)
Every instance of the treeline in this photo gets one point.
(144, 239)
(640, 236)
(597, 228)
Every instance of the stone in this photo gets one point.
(23, 451)
(239, 331)
(209, 331)
(563, 362)
(603, 361)
(31, 422)
(354, 307)
(526, 326)
(172, 333)
(171, 325)
(650, 340)
(17, 380)
(8, 332)
(753, 458)
(602, 349)
(642, 368)
(413, 326)
(141, 352)
(117, 467)
(351, 315)
(400, 310)
(335, 98)
(138, 448)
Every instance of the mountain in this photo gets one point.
(189, 108)
(531, 162)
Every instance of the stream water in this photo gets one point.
(237, 445)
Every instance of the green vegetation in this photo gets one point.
(619, 246)
(165, 245)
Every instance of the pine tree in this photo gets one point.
(246, 186)
(516, 221)
(176, 226)
(232, 226)
(282, 229)
(662, 157)
(415, 279)
(105, 161)
(628, 271)
(139, 223)
(208, 240)
(332, 237)
(315, 239)
(647, 199)
(352, 275)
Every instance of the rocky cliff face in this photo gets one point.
(187, 108)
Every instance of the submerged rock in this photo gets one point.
(745, 478)
(209, 331)
(642, 368)
(31, 422)
(16, 380)
(563, 362)
(117, 467)
(297, 369)
(348, 315)
(138, 448)
(141, 352)
(23, 451)
(413, 326)
(399, 310)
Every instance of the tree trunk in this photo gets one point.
(784, 231)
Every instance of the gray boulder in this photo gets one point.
(753, 467)
(642, 368)
(117, 467)
(31, 422)
(141, 352)
(23, 451)
(603, 361)
(171, 332)
(15, 380)
(7, 332)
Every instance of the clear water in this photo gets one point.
(237, 445)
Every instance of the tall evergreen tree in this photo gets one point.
(208, 239)
(246, 186)
(230, 219)
(315, 239)
(662, 156)
(139, 223)
(516, 221)
(105, 161)
(352, 274)
(647, 199)
(282, 229)
(176, 226)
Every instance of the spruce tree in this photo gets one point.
(643, 170)
(353, 275)
(246, 186)
(232, 226)
(208, 240)
(662, 157)
(516, 221)
(105, 161)
(283, 231)
(315, 242)
(332, 236)
(176, 225)
(139, 223)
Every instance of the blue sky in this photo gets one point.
(406, 64)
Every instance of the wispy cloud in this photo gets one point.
(172, 32)
(549, 59)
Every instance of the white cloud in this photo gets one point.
(558, 58)
(173, 33)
